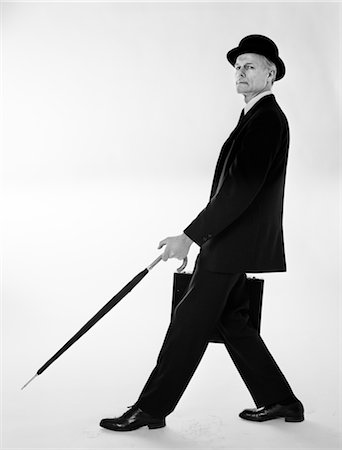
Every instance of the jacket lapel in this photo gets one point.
(251, 113)
(226, 151)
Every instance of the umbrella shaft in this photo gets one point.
(106, 308)
(155, 262)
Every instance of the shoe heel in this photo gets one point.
(155, 425)
(294, 419)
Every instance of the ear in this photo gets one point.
(271, 74)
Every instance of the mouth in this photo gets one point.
(241, 82)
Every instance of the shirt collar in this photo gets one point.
(255, 99)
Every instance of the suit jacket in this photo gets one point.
(240, 229)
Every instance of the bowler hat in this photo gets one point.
(262, 45)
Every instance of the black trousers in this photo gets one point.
(213, 300)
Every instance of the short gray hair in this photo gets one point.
(270, 66)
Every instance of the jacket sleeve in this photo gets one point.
(243, 178)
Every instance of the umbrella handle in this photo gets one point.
(182, 267)
(160, 257)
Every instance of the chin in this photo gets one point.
(241, 88)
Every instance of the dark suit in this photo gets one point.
(239, 231)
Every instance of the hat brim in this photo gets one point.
(235, 52)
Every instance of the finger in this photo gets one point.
(165, 255)
(162, 243)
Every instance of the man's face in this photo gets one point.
(251, 75)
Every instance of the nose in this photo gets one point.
(240, 73)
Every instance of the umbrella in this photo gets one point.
(106, 308)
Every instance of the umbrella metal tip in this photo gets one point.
(29, 381)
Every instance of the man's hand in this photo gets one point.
(176, 246)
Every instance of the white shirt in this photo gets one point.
(255, 99)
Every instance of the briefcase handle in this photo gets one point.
(160, 257)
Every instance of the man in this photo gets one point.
(239, 231)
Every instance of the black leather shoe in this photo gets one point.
(292, 413)
(133, 419)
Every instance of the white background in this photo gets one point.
(113, 117)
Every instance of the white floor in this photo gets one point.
(67, 253)
(58, 410)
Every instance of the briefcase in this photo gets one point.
(255, 288)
